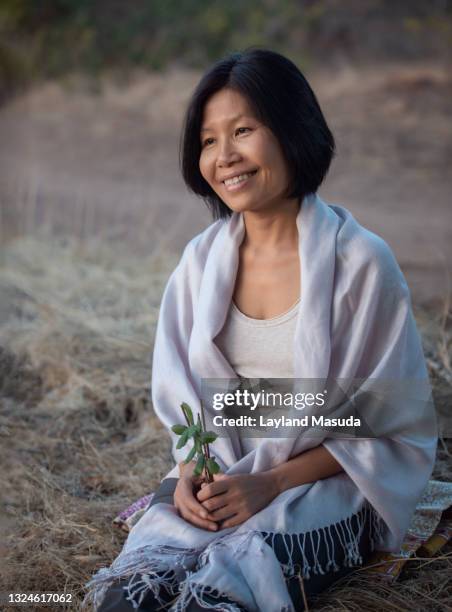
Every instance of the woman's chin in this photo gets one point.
(243, 206)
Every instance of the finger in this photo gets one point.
(222, 513)
(232, 521)
(215, 477)
(187, 501)
(215, 502)
(214, 488)
(194, 519)
(196, 508)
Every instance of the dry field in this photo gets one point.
(93, 218)
(104, 164)
(79, 440)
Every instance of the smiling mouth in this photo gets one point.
(237, 180)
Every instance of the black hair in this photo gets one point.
(282, 99)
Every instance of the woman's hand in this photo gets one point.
(231, 500)
(185, 501)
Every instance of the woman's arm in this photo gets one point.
(312, 465)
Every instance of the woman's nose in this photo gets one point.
(227, 154)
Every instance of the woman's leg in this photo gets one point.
(165, 492)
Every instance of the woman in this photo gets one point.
(280, 286)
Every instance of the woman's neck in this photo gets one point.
(272, 230)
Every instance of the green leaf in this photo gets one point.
(190, 455)
(183, 439)
(192, 430)
(198, 445)
(179, 429)
(213, 466)
(199, 465)
(188, 412)
(208, 436)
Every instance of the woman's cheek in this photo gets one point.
(205, 168)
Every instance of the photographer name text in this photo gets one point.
(283, 421)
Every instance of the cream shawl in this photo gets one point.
(354, 321)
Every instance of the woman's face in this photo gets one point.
(234, 143)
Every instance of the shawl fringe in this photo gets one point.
(347, 535)
(190, 590)
(178, 574)
(146, 574)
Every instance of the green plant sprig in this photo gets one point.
(201, 441)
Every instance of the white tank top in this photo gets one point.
(258, 348)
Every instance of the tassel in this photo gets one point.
(148, 574)
(348, 535)
(141, 562)
(190, 590)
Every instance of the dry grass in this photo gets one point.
(79, 440)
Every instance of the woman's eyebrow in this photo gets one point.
(231, 120)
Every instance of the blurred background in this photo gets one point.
(94, 91)
(94, 215)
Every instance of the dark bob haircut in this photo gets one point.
(281, 99)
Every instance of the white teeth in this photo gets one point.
(238, 179)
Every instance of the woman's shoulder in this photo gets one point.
(365, 252)
(198, 247)
(196, 251)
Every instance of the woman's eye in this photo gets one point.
(240, 130)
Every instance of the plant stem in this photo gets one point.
(209, 477)
(203, 421)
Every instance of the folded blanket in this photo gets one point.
(354, 323)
